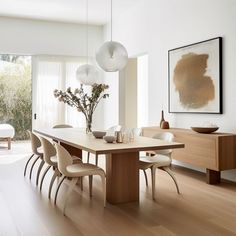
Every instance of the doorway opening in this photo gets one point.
(133, 93)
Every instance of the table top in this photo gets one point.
(79, 139)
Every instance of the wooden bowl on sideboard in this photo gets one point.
(205, 130)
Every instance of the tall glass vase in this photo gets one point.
(89, 120)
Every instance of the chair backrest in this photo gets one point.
(62, 126)
(137, 132)
(166, 136)
(64, 159)
(35, 142)
(48, 151)
(113, 129)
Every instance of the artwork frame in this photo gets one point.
(195, 78)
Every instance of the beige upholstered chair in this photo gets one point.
(50, 158)
(110, 131)
(35, 145)
(75, 171)
(161, 160)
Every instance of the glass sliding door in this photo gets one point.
(50, 73)
(15, 93)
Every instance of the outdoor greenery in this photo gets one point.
(15, 93)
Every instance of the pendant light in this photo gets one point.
(87, 74)
(112, 56)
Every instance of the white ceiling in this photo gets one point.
(65, 10)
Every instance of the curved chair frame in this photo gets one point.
(35, 145)
(167, 136)
(65, 161)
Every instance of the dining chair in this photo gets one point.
(35, 146)
(75, 171)
(50, 158)
(161, 160)
(110, 131)
(137, 132)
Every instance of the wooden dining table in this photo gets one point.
(122, 159)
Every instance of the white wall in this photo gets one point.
(51, 38)
(142, 95)
(155, 26)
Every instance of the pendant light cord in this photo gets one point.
(87, 30)
(111, 18)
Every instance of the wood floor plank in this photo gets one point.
(200, 209)
(7, 224)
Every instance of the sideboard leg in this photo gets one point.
(213, 177)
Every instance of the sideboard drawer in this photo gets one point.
(198, 151)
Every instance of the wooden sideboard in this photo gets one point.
(215, 151)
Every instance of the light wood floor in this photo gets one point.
(201, 209)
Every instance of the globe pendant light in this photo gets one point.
(87, 74)
(112, 56)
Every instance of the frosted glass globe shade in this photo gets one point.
(87, 74)
(112, 56)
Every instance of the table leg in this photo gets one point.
(122, 177)
(213, 177)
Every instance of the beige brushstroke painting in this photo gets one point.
(194, 87)
(194, 78)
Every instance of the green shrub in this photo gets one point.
(15, 97)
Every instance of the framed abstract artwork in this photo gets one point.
(195, 77)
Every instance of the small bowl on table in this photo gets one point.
(109, 139)
(99, 134)
(205, 130)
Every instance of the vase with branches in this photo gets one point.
(84, 102)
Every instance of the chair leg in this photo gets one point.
(104, 189)
(81, 184)
(31, 169)
(146, 179)
(88, 155)
(71, 187)
(44, 174)
(153, 170)
(27, 163)
(96, 160)
(56, 174)
(90, 185)
(171, 174)
(58, 187)
(39, 170)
